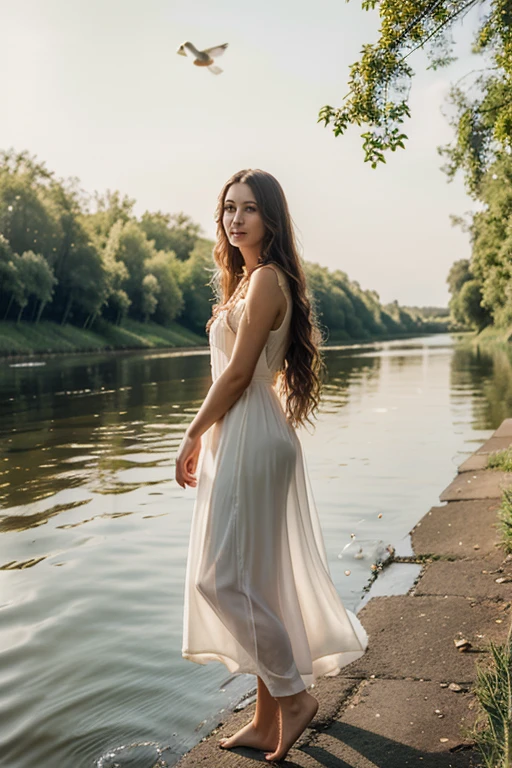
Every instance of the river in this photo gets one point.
(94, 530)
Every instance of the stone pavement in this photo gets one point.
(408, 700)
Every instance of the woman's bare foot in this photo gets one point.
(296, 712)
(252, 736)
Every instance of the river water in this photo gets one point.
(94, 530)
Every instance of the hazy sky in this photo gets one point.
(94, 88)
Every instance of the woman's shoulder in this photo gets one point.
(278, 271)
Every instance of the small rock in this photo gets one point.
(502, 580)
(462, 645)
(443, 685)
(476, 546)
(443, 740)
(455, 687)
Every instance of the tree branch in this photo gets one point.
(467, 6)
(498, 106)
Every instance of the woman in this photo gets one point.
(259, 596)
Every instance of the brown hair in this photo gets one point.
(300, 381)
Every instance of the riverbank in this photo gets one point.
(46, 338)
(492, 334)
(463, 592)
(25, 339)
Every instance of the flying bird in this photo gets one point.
(204, 58)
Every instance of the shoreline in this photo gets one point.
(26, 340)
(332, 344)
(430, 684)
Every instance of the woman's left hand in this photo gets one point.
(186, 461)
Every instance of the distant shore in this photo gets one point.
(47, 338)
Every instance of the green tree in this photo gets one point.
(83, 281)
(120, 303)
(111, 208)
(171, 232)
(491, 237)
(458, 275)
(150, 291)
(82, 287)
(194, 277)
(11, 286)
(38, 281)
(467, 306)
(27, 220)
(463, 311)
(164, 267)
(117, 301)
(379, 83)
(133, 250)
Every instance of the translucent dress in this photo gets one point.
(258, 594)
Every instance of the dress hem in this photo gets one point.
(327, 665)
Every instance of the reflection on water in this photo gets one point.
(94, 531)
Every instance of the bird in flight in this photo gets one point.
(204, 58)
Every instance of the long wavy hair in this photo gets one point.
(300, 381)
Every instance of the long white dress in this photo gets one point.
(259, 595)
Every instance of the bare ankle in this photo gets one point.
(294, 704)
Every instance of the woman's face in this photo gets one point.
(241, 217)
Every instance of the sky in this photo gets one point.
(95, 90)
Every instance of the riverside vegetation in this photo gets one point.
(82, 273)
(493, 689)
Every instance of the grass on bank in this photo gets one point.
(505, 521)
(493, 334)
(46, 337)
(501, 460)
(492, 731)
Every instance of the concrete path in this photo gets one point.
(408, 700)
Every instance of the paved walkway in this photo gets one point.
(408, 700)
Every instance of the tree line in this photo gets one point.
(70, 258)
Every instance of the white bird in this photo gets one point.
(203, 58)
